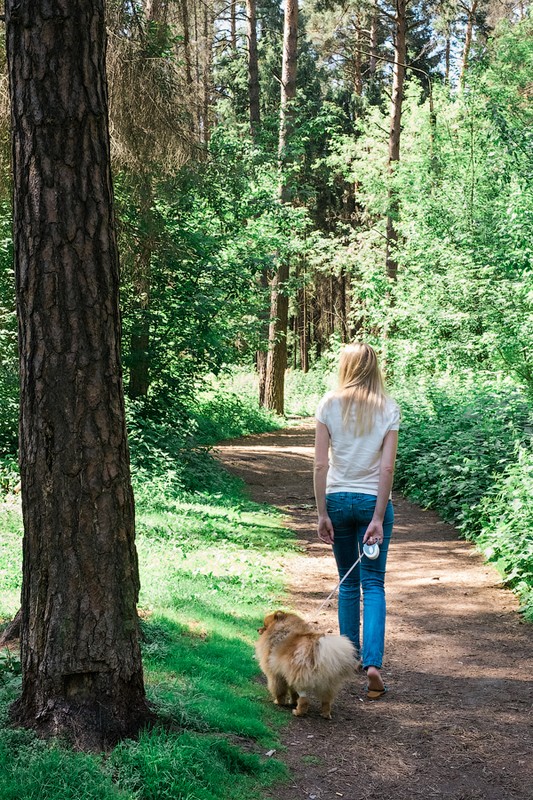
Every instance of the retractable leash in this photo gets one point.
(370, 551)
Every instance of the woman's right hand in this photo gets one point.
(325, 529)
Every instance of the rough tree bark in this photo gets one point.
(279, 299)
(82, 673)
(400, 55)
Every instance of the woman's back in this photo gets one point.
(355, 458)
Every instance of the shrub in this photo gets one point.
(465, 450)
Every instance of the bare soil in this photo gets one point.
(457, 720)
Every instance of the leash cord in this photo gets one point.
(328, 598)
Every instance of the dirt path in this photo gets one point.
(457, 721)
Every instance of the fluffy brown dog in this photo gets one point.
(297, 662)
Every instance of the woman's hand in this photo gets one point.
(325, 529)
(374, 533)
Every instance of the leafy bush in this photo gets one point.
(221, 414)
(506, 520)
(465, 450)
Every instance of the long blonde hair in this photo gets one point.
(361, 387)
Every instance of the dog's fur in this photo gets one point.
(298, 662)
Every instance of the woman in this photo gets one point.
(358, 424)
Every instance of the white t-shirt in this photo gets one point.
(355, 460)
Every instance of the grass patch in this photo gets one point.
(210, 564)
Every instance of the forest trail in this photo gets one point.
(457, 721)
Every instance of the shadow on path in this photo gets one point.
(457, 721)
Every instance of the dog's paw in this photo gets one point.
(302, 707)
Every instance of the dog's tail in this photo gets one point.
(336, 655)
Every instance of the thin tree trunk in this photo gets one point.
(357, 62)
(277, 338)
(185, 25)
(207, 71)
(139, 367)
(82, 673)
(400, 55)
(255, 123)
(288, 86)
(262, 355)
(373, 43)
(253, 69)
(471, 12)
(447, 54)
(233, 25)
(304, 334)
(279, 305)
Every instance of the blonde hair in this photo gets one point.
(361, 387)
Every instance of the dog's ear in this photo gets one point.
(280, 615)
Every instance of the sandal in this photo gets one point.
(375, 694)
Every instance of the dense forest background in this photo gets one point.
(383, 193)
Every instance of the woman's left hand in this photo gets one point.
(325, 529)
(374, 533)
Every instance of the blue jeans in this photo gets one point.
(350, 514)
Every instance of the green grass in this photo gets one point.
(210, 565)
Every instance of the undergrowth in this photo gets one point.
(210, 565)
(466, 451)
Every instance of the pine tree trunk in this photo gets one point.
(357, 61)
(82, 673)
(253, 68)
(139, 361)
(468, 41)
(372, 64)
(400, 55)
(207, 72)
(288, 85)
(277, 339)
(185, 25)
(279, 306)
(233, 25)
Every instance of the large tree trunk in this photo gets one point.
(277, 339)
(82, 673)
(400, 55)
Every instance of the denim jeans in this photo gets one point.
(350, 514)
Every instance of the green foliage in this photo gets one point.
(209, 563)
(465, 450)
(221, 413)
(8, 346)
(10, 560)
(170, 440)
(506, 521)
